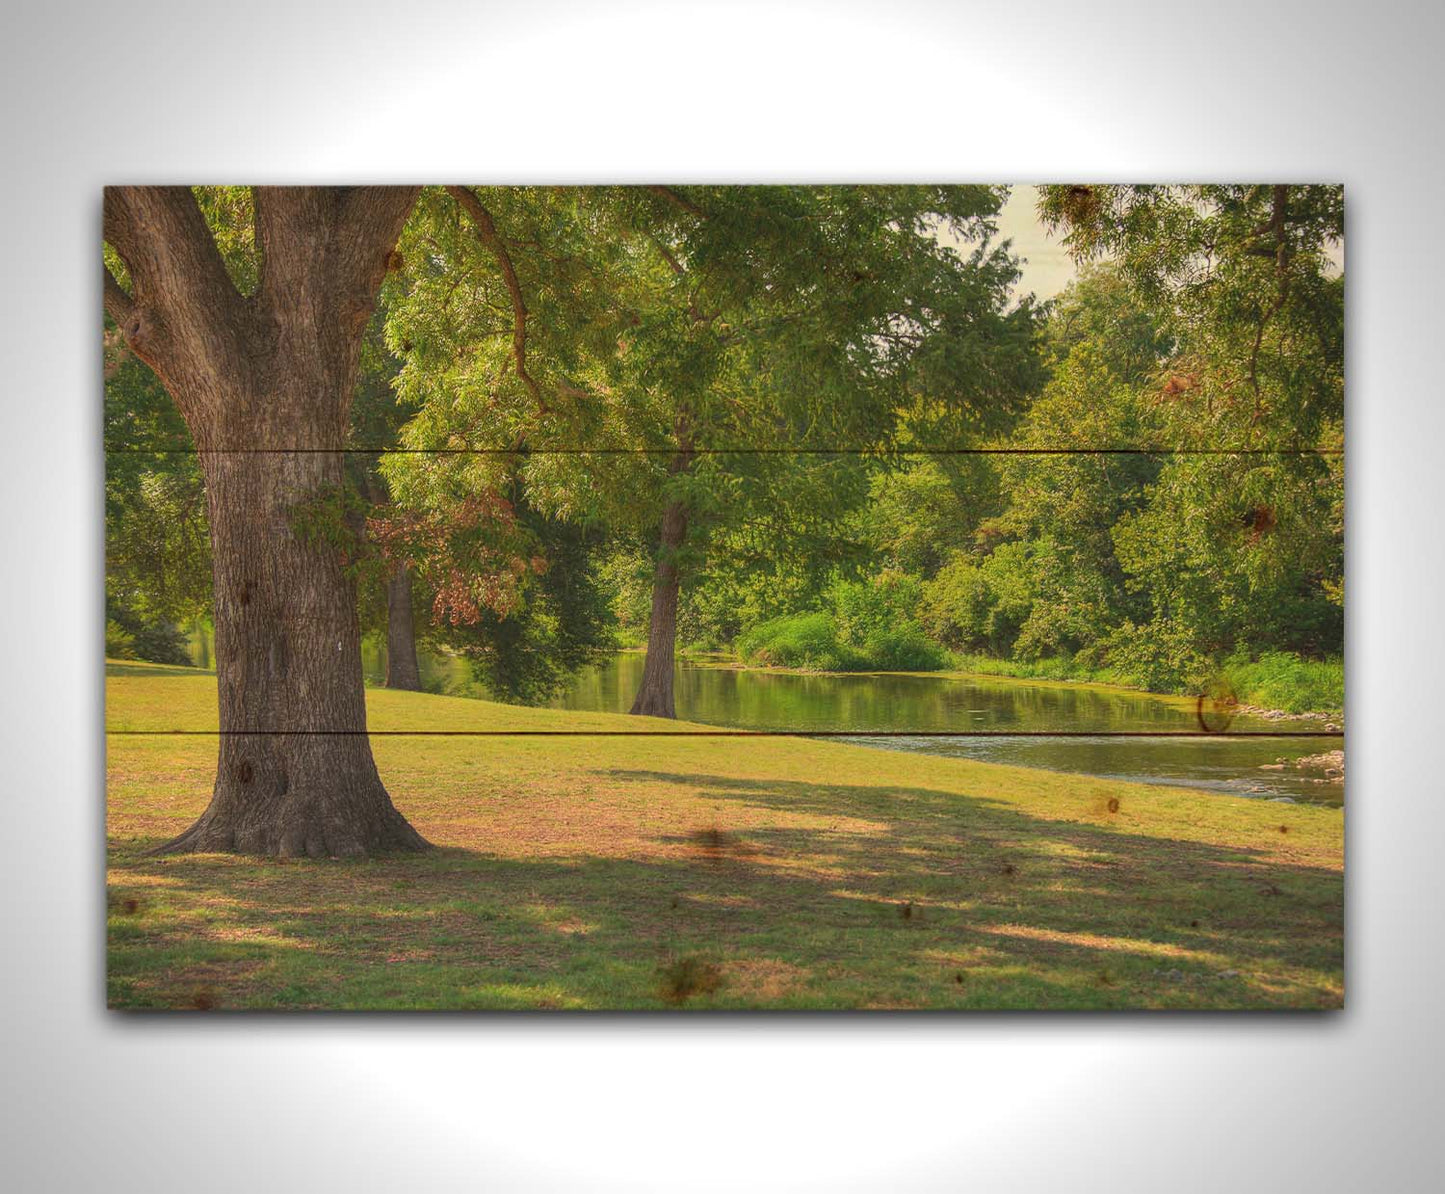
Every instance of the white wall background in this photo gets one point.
(353, 90)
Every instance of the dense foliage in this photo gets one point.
(865, 626)
(157, 551)
(1203, 533)
(566, 365)
(699, 371)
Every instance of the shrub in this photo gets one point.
(981, 605)
(1058, 667)
(812, 641)
(1160, 657)
(119, 642)
(160, 642)
(904, 648)
(878, 606)
(956, 604)
(129, 636)
(799, 640)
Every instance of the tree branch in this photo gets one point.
(117, 224)
(179, 289)
(293, 228)
(1277, 224)
(163, 239)
(672, 262)
(675, 197)
(487, 233)
(118, 304)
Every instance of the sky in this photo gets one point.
(1047, 267)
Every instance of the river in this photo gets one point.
(931, 705)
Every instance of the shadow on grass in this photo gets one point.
(914, 898)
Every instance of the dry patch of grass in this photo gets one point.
(574, 872)
(765, 980)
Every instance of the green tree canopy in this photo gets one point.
(684, 366)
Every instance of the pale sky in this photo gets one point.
(1047, 267)
(1045, 264)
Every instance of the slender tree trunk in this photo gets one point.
(264, 382)
(654, 696)
(401, 666)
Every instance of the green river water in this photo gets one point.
(930, 705)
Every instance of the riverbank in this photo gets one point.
(624, 870)
(971, 667)
(880, 643)
(1276, 688)
(1295, 686)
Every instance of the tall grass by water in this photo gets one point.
(1278, 680)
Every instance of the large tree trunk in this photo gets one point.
(654, 696)
(295, 775)
(264, 383)
(401, 666)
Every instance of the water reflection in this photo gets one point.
(447, 675)
(724, 696)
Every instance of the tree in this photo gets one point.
(1244, 282)
(918, 515)
(559, 621)
(157, 551)
(1240, 547)
(263, 373)
(1210, 348)
(828, 318)
(376, 418)
(631, 349)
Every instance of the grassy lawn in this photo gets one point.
(706, 872)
